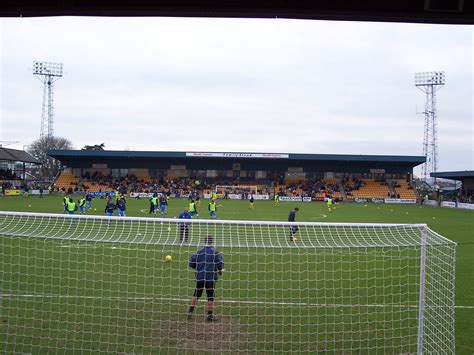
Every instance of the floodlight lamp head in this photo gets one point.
(429, 78)
(48, 69)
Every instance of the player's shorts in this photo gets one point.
(89, 203)
(208, 285)
(121, 212)
(82, 209)
(109, 214)
(163, 208)
(293, 230)
(212, 213)
(71, 212)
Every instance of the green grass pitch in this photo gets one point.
(91, 318)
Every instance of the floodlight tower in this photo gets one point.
(429, 83)
(47, 73)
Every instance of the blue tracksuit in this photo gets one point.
(207, 263)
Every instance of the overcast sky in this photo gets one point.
(242, 85)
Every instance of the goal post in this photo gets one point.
(101, 284)
(236, 189)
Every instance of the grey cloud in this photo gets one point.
(240, 85)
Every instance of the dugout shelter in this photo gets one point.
(10, 159)
(466, 177)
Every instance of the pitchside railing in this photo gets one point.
(93, 283)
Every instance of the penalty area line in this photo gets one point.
(267, 303)
(321, 216)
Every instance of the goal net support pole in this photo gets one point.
(101, 284)
(421, 303)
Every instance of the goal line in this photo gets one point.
(151, 298)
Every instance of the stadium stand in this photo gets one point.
(318, 189)
(315, 188)
(96, 187)
(371, 189)
(65, 181)
(404, 190)
(8, 174)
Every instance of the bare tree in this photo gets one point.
(39, 149)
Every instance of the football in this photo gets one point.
(168, 258)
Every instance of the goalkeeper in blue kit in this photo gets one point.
(208, 264)
(291, 218)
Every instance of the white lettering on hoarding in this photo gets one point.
(468, 206)
(449, 204)
(401, 200)
(237, 155)
(290, 198)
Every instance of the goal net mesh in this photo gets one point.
(93, 284)
(236, 189)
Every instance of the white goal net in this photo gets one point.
(236, 189)
(94, 284)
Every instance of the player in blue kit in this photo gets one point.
(208, 263)
(121, 206)
(163, 204)
(109, 209)
(184, 227)
(89, 201)
(291, 218)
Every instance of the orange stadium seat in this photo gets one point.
(65, 180)
(144, 178)
(93, 187)
(372, 189)
(404, 191)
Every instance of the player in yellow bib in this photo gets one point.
(212, 209)
(251, 200)
(329, 203)
(213, 195)
(193, 209)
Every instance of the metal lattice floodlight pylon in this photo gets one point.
(48, 73)
(430, 83)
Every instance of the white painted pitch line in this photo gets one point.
(321, 216)
(302, 304)
(122, 248)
